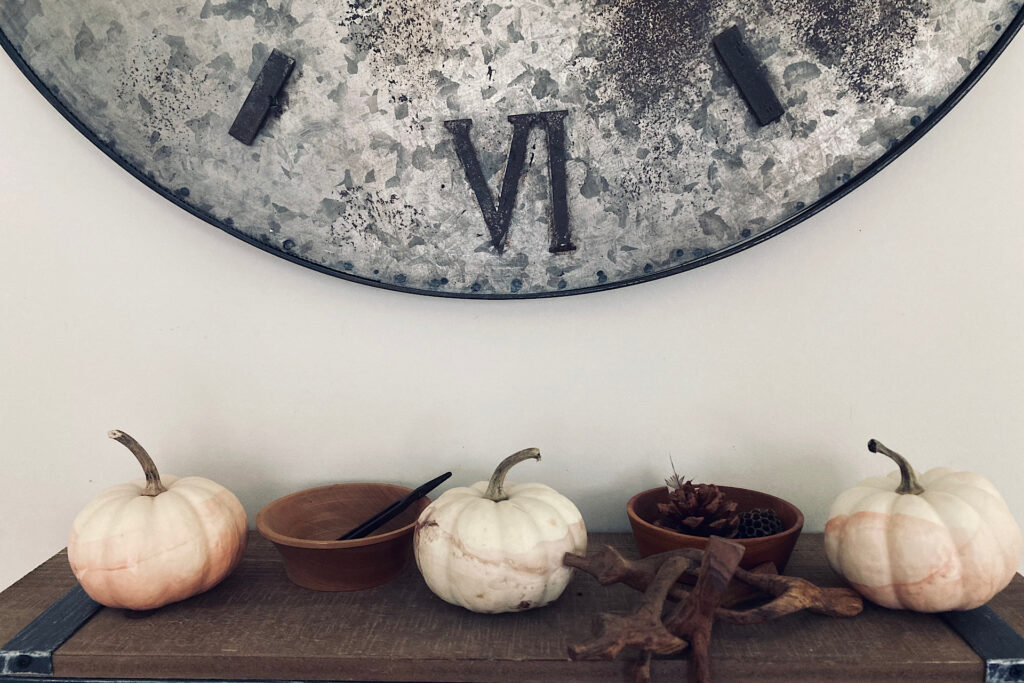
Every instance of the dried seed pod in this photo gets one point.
(759, 522)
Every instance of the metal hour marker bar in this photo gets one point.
(262, 96)
(749, 75)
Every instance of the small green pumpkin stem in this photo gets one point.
(495, 490)
(908, 479)
(153, 485)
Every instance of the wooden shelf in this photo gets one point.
(259, 626)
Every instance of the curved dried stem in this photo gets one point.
(496, 485)
(154, 487)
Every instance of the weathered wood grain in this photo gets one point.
(257, 625)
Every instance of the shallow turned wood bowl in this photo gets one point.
(642, 510)
(303, 527)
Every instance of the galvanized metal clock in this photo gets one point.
(504, 148)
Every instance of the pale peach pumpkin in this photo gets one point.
(143, 545)
(940, 541)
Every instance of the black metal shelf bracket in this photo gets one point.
(994, 640)
(31, 650)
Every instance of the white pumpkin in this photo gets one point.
(146, 544)
(940, 541)
(491, 548)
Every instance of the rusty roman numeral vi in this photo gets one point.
(498, 216)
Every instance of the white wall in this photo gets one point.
(895, 314)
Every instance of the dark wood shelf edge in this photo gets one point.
(96, 663)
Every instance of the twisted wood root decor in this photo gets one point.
(721, 587)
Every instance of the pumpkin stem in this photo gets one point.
(908, 479)
(495, 490)
(153, 485)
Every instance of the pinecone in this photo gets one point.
(759, 522)
(697, 509)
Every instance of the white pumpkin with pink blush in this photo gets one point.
(491, 548)
(145, 544)
(934, 542)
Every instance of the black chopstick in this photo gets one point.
(393, 510)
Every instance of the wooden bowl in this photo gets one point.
(642, 510)
(303, 527)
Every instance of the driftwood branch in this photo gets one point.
(694, 617)
(721, 585)
(643, 667)
(644, 628)
(791, 594)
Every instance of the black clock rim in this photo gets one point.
(856, 181)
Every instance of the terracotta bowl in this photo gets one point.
(651, 540)
(303, 527)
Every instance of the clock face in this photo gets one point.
(505, 148)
